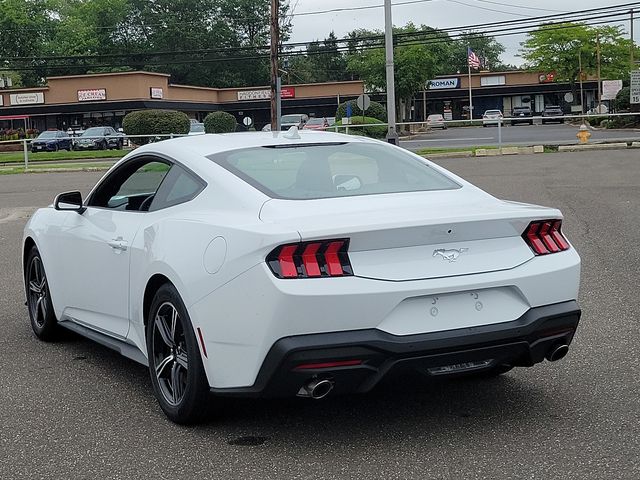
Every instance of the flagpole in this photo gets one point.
(470, 96)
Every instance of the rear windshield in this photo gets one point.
(298, 172)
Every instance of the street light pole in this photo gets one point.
(392, 135)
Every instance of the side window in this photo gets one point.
(180, 186)
(132, 187)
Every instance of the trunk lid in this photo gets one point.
(417, 235)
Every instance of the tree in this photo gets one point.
(559, 49)
(486, 47)
(415, 65)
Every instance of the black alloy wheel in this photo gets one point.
(175, 365)
(43, 320)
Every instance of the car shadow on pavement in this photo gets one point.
(414, 407)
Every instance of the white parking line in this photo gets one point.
(449, 139)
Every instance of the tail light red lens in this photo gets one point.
(321, 258)
(545, 236)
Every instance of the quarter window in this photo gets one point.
(180, 186)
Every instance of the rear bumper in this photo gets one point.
(521, 342)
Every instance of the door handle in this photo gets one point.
(118, 244)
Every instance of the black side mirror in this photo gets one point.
(69, 201)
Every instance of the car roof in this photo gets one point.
(185, 148)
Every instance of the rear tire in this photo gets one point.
(175, 365)
(41, 314)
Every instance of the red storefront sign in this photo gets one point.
(288, 92)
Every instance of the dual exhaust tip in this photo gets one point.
(316, 389)
(557, 352)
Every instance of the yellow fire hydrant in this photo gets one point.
(584, 134)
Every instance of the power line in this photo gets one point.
(521, 6)
(343, 49)
(494, 27)
(487, 8)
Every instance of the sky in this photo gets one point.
(435, 13)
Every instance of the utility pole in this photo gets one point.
(599, 77)
(275, 38)
(633, 44)
(580, 77)
(392, 135)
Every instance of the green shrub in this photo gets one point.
(623, 100)
(378, 131)
(220, 122)
(375, 110)
(155, 122)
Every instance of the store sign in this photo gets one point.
(610, 89)
(26, 98)
(547, 77)
(635, 87)
(254, 95)
(93, 95)
(156, 92)
(288, 92)
(443, 83)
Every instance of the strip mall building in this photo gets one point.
(104, 99)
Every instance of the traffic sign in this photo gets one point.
(247, 121)
(363, 102)
(635, 87)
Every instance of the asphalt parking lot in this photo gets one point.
(77, 410)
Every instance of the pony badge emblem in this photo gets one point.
(451, 254)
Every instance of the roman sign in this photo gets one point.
(444, 83)
(95, 94)
(30, 98)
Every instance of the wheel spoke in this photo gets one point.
(182, 360)
(37, 272)
(174, 321)
(161, 325)
(38, 309)
(176, 383)
(163, 365)
(43, 307)
(35, 287)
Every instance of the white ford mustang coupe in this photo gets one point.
(311, 263)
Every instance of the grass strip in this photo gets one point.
(427, 151)
(60, 167)
(18, 157)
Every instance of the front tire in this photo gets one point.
(175, 365)
(43, 318)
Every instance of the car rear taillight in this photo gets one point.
(545, 236)
(320, 258)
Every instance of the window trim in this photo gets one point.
(137, 157)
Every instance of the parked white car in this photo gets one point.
(304, 264)
(436, 120)
(492, 117)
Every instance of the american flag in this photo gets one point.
(474, 60)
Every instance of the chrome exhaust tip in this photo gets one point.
(557, 352)
(316, 389)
